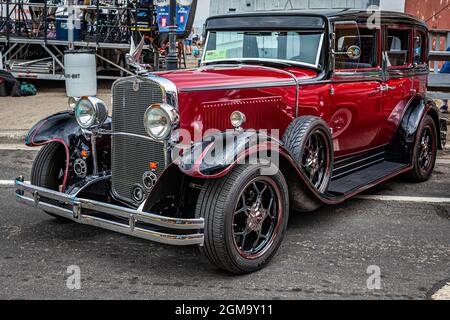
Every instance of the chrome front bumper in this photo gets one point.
(74, 207)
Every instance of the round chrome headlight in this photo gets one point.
(237, 119)
(73, 102)
(160, 120)
(90, 112)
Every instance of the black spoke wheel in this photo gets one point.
(256, 217)
(425, 151)
(245, 216)
(315, 159)
(426, 148)
(309, 141)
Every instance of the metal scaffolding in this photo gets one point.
(33, 36)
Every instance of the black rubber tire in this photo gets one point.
(46, 168)
(417, 174)
(216, 204)
(297, 135)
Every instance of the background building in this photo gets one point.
(222, 7)
(206, 8)
(393, 5)
(436, 13)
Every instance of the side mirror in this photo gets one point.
(353, 52)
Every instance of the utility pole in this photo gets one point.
(70, 23)
(172, 59)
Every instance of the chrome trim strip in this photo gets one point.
(204, 50)
(319, 51)
(133, 216)
(43, 192)
(242, 86)
(296, 81)
(264, 84)
(119, 133)
(284, 61)
(297, 87)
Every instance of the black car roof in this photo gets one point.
(314, 19)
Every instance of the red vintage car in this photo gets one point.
(288, 111)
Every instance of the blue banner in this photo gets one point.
(182, 16)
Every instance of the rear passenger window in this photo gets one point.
(420, 48)
(357, 39)
(398, 48)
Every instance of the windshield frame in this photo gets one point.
(291, 62)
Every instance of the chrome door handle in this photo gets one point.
(386, 87)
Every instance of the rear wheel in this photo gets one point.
(49, 168)
(246, 216)
(425, 151)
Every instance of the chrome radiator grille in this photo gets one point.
(131, 154)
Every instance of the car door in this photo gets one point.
(399, 78)
(356, 90)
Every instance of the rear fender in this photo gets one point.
(402, 146)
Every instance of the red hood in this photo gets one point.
(220, 76)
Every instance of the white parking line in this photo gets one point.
(434, 200)
(443, 293)
(8, 183)
(16, 147)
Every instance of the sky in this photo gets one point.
(202, 12)
(394, 5)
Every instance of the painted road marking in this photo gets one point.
(435, 200)
(16, 147)
(9, 183)
(443, 161)
(443, 293)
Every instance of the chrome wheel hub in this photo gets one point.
(256, 217)
(314, 161)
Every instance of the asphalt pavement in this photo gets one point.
(326, 255)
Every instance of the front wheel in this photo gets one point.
(246, 216)
(49, 168)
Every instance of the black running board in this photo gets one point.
(350, 184)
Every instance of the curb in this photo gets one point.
(12, 136)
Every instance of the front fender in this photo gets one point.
(216, 155)
(62, 126)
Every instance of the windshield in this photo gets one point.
(289, 46)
